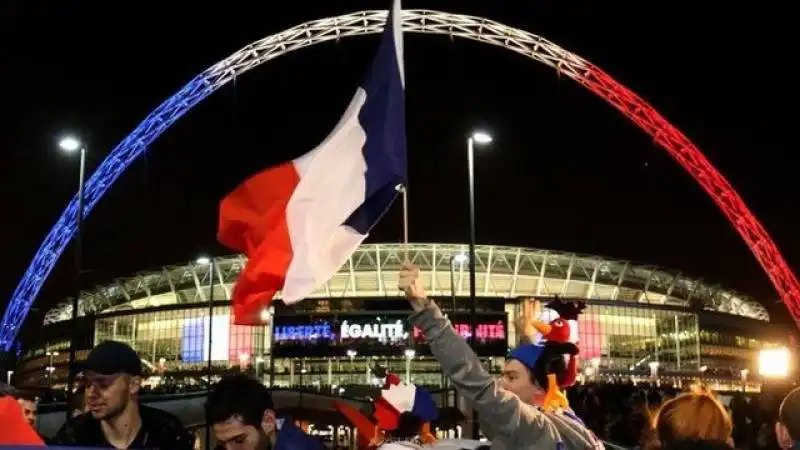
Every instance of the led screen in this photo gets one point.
(374, 334)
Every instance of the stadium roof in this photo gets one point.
(372, 271)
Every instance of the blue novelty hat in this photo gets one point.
(527, 354)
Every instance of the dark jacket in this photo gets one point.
(160, 430)
(290, 437)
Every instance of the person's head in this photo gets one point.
(241, 413)
(694, 416)
(788, 427)
(112, 376)
(527, 367)
(27, 402)
(29, 405)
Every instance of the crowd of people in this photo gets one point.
(620, 413)
(525, 408)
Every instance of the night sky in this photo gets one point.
(566, 171)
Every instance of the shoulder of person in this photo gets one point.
(571, 431)
(292, 437)
(158, 418)
(78, 429)
(166, 428)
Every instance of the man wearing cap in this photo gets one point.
(113, 377)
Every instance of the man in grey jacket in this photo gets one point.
(514, 423)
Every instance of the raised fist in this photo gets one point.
(411, 283)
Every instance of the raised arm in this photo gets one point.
(502, 409)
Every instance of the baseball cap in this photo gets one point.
(111, 358)
(527, 354)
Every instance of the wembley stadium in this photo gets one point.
(641, 322)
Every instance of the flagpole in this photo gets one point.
(404, 191)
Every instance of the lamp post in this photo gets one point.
(410, 353)
(71, 144)
(480, 138)
(50, 369)
(206, 261)
(460, 259)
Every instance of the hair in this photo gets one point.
(789, 413)
(695, 416)
(408, 426)
(552, 361)
(28, 396)
(238, 396)
(6, 390)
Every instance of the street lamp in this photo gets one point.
(206, 261)
(71, 144)
(459, 258)
(480, 138)
(51, 369)
(410, 353)
(774, 362)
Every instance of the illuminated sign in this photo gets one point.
(313, 332)
(374, 334)
(381, 331)
(485, 331)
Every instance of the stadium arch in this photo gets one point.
(414, 21)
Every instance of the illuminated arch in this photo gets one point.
(415, 21)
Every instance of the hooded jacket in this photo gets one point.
(514, 424)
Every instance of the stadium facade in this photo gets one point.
(641, 322)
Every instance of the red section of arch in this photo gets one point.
(712, 181)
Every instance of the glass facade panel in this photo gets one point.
(629, 339)
(179, 339)
(617, 340)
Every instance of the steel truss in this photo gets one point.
(414, 21)
(373, 268)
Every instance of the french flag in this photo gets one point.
(299, 221)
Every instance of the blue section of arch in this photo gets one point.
(101, 180)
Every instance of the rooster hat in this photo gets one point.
(398, 398)
(395, 400)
